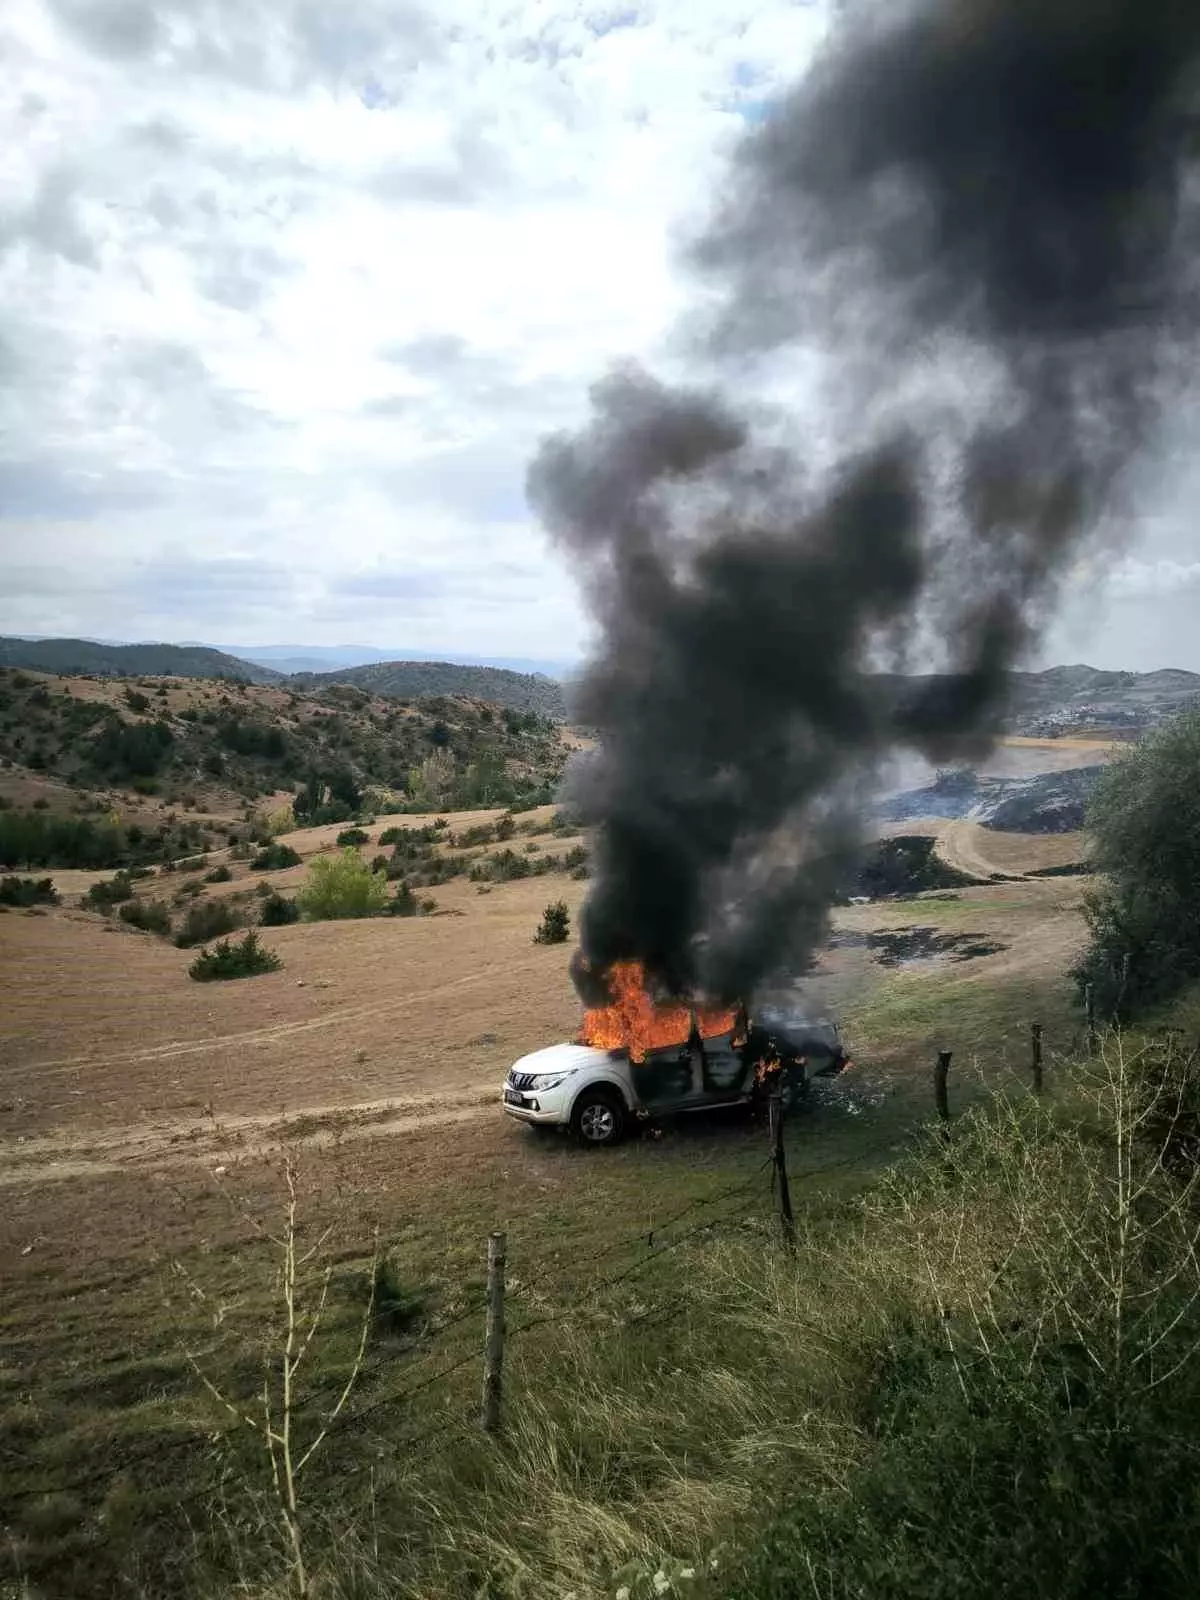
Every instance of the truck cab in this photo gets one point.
(600, 1094)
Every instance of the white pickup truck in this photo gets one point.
(599, 1094)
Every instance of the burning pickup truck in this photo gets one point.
(635, 1059)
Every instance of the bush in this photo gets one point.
(219, 874)
(352, 836)
(245, 958)
(1023, 1361)
(342, 886)
(208, 919)
(35, 838)
(555, 926)
(27, 892)
(275, 857)
(404, 902)
(152, 916)
(397, 1307)
(1144, 921)
(277, 912)
(577, 856)
(109, 892)
(503, 867)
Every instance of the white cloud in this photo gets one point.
(290, 291)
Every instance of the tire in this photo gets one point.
(598, 1119)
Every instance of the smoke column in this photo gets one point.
(974, 222)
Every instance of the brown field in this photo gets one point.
(115, 1063)
(142, 1118)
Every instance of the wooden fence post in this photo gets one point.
(779, 1156)
(1089, 1006)
(941, 1074)
(493, 1355)
(1036, 1042)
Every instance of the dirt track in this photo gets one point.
(104, 1037)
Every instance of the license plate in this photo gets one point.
(512, 1098)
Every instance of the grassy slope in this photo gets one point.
(608, 1397)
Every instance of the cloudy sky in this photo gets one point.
(290, 289)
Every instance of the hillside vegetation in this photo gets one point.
(78, 656)
(521, 691)
(218, 745)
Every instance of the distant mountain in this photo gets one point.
(77, 657)
(408, 680)
(331, 658)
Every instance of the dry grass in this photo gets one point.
(377, 1054)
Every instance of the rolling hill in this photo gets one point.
(216, 746)
(80, 657)
(410, 680)
(1080, 697)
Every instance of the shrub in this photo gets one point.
(503, 867)
(342, 886)
(275, 857)
(136, 702)
(1144, 819)
(404, 902)
(577, 856)
(277, 912)
(352, 836)
(505, 828)
(152, 916)
(397, 1308)
(36, 838)
(481, 833)
(109, 892)
(555, 926)
(219, 874)
(27, 892)
(192, 864)
(207, 920)
(243, 958)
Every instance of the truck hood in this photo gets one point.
(562, 1058)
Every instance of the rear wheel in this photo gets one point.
(598, 1118)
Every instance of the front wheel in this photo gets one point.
(598, 1118)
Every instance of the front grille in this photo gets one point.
(521, 1080)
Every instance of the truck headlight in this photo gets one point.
(549, 1080)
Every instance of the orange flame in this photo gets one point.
(635, 1022)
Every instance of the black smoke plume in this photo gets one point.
(972, 226)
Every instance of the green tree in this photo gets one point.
(342, 885)
(555, 926)
(1144, 919)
